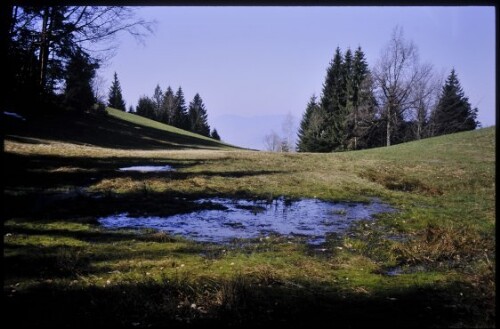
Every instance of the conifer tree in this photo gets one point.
(198, 117)
(453, 112)
(180, 117)
(362, 101)
(305, 141)
(145, 107)
(115, 98)
(215, 135)
(331, 102)
(78, 94)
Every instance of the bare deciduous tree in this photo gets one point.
(99, 89)
(289, 131)
(396, 75)
(425, 94)
(273, 142)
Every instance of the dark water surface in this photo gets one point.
(252, 219)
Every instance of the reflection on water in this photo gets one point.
(147, 168)
(252, 219)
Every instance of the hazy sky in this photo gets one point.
(253, 65)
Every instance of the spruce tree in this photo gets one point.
(78, 94)
(332, 100)
(198, 117)
(180, 117)
(215, 135)
(305, 141)
(362, 101)
(453, 112)
(115, 98)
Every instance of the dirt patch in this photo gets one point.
(398, 181)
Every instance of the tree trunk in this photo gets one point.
(388, 132)
(44, 49)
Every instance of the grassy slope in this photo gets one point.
(117, 130)
(442, 237)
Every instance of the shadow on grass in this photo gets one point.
(241, 302)
(104, 131)
(44, 171)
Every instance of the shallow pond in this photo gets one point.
(147, 168)
(252, 219)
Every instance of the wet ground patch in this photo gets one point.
(229, 219)
(399, 182)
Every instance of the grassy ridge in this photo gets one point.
(113, 129)
(62, 268)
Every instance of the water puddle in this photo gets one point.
(14, 115)
(237, 219)
(148, 168)
(399, 270)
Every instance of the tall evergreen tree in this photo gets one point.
(453, 112)
(361, 100)
(80, 71)
(331, 102)
(198, 117)
(115, 98)
(180, 117)
(215, 135)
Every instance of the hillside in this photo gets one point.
(117, 129)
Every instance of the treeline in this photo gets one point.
(399, 100)
(170, 108)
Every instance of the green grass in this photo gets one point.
(63, 269)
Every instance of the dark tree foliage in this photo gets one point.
(305, 141)
(215, 135)
(115, 98)
(78, 93)
(361, 102)
(180, 118)
(41, 40)
(198, 117)
(342, 118)
(453, 112)
(145, 107)
(332, 101)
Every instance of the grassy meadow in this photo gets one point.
(430, 264)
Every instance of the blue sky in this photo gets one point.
(253, 65)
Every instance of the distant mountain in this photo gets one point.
(247, 131)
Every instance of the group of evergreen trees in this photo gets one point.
(171, 109)
(359, 109)
(341, 119)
